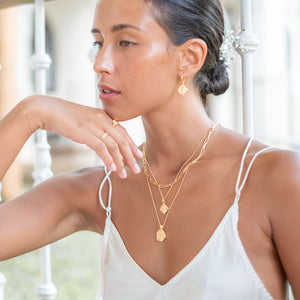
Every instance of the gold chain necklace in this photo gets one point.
(161, 234)
(178, 176)
(183, 168)
(164, 207)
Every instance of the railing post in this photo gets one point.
(2, 284)
(2, 278)
(0, 182)
(246, 43)
(40, 62)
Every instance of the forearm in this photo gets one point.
(82, 124)
(15, 129)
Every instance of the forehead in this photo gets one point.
(111, 12)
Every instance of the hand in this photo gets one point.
(86, 125)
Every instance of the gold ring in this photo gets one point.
(104, 136)
(115, 123)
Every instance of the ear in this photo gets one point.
(192, 57)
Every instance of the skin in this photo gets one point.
(145, 68)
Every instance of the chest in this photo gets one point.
(194, 216)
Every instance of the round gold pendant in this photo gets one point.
(161, 235)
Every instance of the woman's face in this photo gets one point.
(136, 63)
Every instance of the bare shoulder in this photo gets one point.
(279, 170)
(80, 190)
(277, 178)
(83, 180)
(276, 172)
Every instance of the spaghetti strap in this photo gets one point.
(106, 178)
(239, 186)
(107, 224)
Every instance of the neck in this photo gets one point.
(174, 131)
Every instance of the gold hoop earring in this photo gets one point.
(182, 90)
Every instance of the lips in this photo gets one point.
(107, 92)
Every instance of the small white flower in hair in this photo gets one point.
(227, 49)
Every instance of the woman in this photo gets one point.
(213, 215)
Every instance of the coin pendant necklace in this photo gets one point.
(161, 233)
(164, 207)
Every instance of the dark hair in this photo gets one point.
(187, 19)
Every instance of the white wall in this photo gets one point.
(70, 23)
(275, 86)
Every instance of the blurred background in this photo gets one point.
(68, 42)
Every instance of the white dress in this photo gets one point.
(220, 271)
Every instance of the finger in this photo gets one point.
(134, 148)
(113, 148)
(125, 147)
(129, 157)
(136, 151)
(99, 147)
(106, 144)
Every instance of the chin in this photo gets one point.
(120, 116)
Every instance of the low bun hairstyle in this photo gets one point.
(187, 19)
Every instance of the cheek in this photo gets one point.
(150, 73)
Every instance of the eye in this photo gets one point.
(126, 44)
(98, 44)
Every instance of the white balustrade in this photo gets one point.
(40, 62)
(246, 43)
(2, 284)
(0, 182)
(2, 278)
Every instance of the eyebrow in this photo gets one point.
(118, 27)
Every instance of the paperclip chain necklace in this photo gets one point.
(178, 176)
(164, 208)
(161, 233)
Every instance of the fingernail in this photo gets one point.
(136, 168)
(113, 167)
(123, 174)
(139, 153)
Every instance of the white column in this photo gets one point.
(246, 43)
(40, 61)
(2, 278)
(0, 182)
(2, 284)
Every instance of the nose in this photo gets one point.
(104, 62)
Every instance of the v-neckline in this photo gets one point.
(188, 265)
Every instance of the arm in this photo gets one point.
(80, 123)
(61, 205)
(52, 210)
(284, 208)
(14, 132)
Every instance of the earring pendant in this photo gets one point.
(182, 90)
